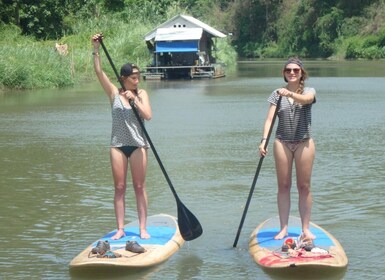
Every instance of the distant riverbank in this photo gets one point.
(32, 64)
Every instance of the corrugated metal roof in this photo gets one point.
(184, 22)
(178, 34)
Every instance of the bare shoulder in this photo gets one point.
(142, 92)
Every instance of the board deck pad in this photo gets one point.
(267, 251)
(159, 236)
(165, 241)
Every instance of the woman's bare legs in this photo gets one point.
(304, 158)
(283, 163)
(119, 172)
(138, 163)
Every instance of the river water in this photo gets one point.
(56, 186)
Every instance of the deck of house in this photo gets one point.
(189, 72)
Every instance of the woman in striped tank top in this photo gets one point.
(293, 143)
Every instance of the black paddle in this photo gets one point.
(256, 174)
(189, 226)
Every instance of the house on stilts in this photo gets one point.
(183, 47)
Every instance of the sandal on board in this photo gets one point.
(109, 255)
(134, 247)
(101, 247)
(305, 243)
(289, 243)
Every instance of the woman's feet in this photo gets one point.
(282, 234)
(307, 234)
(119, 234)
(144, 234)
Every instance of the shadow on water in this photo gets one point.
(306, 273)
(188, 266)
(191, 266)
(113, 273)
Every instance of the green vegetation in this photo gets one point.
(29, 29)
(26, 63)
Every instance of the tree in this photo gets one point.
(42, 19)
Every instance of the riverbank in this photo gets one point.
(33, 64)
(28, 63)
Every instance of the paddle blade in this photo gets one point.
(189, 226)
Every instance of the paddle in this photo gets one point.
(189, 226)
(256, 174)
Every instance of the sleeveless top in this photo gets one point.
(126, 130)
(294, 119)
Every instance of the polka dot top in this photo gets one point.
(126, 130)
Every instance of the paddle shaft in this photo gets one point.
(256, 174)
(188, 218)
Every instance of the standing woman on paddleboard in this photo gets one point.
(128, 142)
(293, 143)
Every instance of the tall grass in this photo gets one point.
(225, 52)
(28, 64)
(34, 66)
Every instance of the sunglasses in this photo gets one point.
(295, 70)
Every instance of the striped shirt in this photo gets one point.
(294, 119)
(126, 130)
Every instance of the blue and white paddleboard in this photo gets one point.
(164, 242)
(268, 252)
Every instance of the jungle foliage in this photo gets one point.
(342, 29)
(259, 28)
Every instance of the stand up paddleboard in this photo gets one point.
(325, 252)
(164, 242)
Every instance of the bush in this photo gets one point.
(272, 51)
(34, 66)
(353, 49)
(225, 53)
(351, 26)
(372, 52)
(367, 49)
